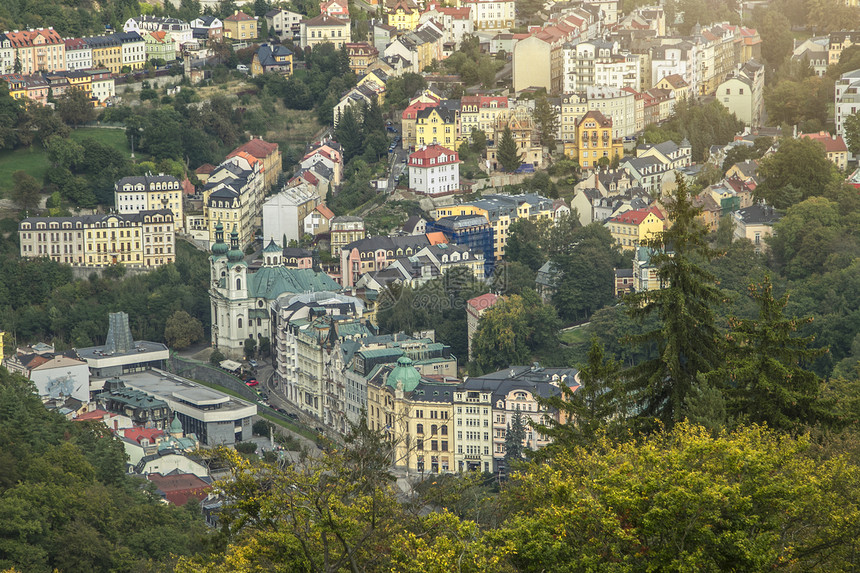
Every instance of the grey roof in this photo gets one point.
(759, 214)
(389, 243)
(267, 53)
(90, 219)
(291, 252)
(458, 222)
(139, 348)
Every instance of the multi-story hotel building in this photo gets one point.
(145, 239)
(149, 192)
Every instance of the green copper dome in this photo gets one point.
(272, 247)
(176, 426)
(219, 247)
(404, 373)
(235, 254)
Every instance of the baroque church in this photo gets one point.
(240, 296)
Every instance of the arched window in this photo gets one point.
(238, 284)
(433, 430)
(419, 428)
(240, 322)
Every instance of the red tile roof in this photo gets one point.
(178, 489)
(484, 301)
(421, 158)
(238, 17)
(97, 415)
(257, 147)
(325, 211)
(832, 144)
(205, 169)
(636, 216)
(411, 112)
(437, 238)
(138, 433)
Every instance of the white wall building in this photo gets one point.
(149, 192)
(492, 15)
(434, 170)
(79, 55)
(847, 98)
(617, 104)
(284, 213)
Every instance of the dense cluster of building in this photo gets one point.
(161, 419)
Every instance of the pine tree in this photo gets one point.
(507, 153)
(348, 134)
(546, 121)
(686, 338)
(514, 437)
(766, 381)
(595, 406)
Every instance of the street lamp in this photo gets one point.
(139, 129)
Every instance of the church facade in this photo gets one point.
(240, 297)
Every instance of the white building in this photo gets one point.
(7, 55)
(79, 55)
(240, 298)
(677, 58)
(54, 375)
(598, 62)
(617, 104)
(284, 213)
(149, 192)
(285, 24)
(847, 98)
(742, 92)
(103, 84)
(434, 170)
(180, 31)
(492, 15)
(457, 23)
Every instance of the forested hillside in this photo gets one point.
(69, 17)
(66, 503)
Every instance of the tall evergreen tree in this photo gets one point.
(767, 382)
(514, 437)
(507, 153)
(349, 134)
(686, 338)
(596, 405)
(546, 121)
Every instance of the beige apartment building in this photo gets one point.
(144, 239)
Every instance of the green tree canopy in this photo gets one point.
(507, 154)
(798, 170)
(686, 339)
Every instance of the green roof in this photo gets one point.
(404, 373)
(257, 313)
(380, 352)
(272, 282)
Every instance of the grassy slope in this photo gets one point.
(34, 159)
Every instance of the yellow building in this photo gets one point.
(501, 211)
(630, 228)
(416, 416)
(437, 125)
(375, 80)
(107, 52)
(403, 15)
(675, 84)
(325, 29)
(593, 141)
(17, 85)
(240, 26)
(145, 239)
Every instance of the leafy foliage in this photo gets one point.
(65, 499)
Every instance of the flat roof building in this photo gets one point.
(214, 417)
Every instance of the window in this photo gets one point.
(419, 428)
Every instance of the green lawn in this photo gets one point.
(34, 159)
(579, 335)
(112, 137)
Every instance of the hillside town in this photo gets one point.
(489, 238)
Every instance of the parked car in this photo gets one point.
(253, 363)
(251, 382)
(242, 68)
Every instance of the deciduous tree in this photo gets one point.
(182, 330)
